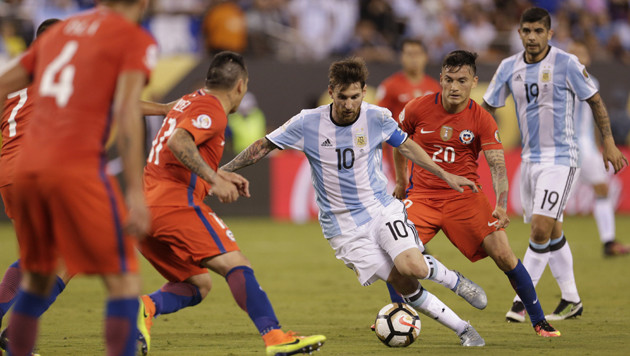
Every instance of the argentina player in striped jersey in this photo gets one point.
(368, 228)
(545, 83)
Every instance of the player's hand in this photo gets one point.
(138, 221)
(241, 183)
(612, 154)
(502, 218)
(399, 191)
(458, 182)
(224, 190)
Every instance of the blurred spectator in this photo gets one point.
(370, 44)
(268, 28)
(478, 34)
(176, 25)
(225, 28)
(12, 44)
(381, 14)
(247, 124)
(313, 22)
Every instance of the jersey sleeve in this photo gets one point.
(392, 134)
(291, 134)
(489, 132)
(405, 120)
(203, 121)
(28, 59)
(498, 89)
(579, 80)
(140, 54)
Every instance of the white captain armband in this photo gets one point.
(397, 138)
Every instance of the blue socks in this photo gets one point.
(522, 284)
(175, 296)
(393, 295)
(252, 299)
(121, 330)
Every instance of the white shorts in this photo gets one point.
(593, 169)
(545, 189)
(370, 249)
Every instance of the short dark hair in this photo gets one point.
(225, 70)
(536, 14)
(410, 40)
(459, 58)
(45, 25)
(347, 71)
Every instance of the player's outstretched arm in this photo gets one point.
(496, 162)
(610, 151)
(126, 113)
(252, 154)
(151, 108)
(183, 147)
(400, 166)
(418, 156)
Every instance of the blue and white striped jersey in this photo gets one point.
(585, 124)
(346, 162)
(545, 94)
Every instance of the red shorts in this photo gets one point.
(466, 220)
(182, 237)
(74, 216)
(8, 199)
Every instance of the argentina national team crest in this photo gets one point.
(446, 132)
(466, 137)
(359, 139)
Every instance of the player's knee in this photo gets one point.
(203, 284)
(412, 268)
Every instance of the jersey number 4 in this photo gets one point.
(62, 88)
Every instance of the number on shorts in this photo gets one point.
(60, 68)
(12, 123)
(398, 229)
(158, 143)
(551, 198)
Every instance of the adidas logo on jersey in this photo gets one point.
(326, 143)
(518, 78)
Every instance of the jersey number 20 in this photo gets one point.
(61, 89)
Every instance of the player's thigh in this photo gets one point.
(34, 227)
(553, 185)
(193, 234)
(595, 172)
(467, 221)
(88, 214)
(426, 215)
(359, 251)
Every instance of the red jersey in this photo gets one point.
(15, 118)
(452, 140)
(167, 182)
(75, 67)
(396, 91)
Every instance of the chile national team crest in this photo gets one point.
(446, 132)
(466, 137)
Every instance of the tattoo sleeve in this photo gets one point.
(496, 162)
(600, 114)
(252, 154)
(183, 146)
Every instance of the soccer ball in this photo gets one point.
(397, 325)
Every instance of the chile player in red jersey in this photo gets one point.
(87, 74)
(187, 238)
(453, 129)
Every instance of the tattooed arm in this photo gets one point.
(496, 162)
(183, 146)
(252, 154)
(610, 152)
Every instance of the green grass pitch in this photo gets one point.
(312, 292)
